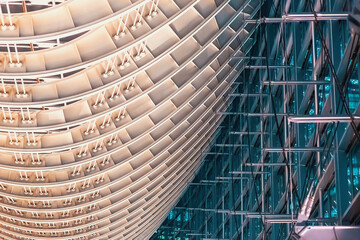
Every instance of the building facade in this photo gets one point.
(179, 119)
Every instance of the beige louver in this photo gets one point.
(103, 123)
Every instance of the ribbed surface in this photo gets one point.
(107, 140)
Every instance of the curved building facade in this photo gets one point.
(106, 106)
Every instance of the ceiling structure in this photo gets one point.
(105, 106)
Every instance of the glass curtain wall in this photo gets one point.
(290, 132)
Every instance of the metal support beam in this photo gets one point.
(322, 119)
(302, 17)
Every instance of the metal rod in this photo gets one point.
(266, 67)
(307, 149)
(323, 119)
(230, 145)
(266, 164)
(249, 95)
(247, 172)
(246, 133)
(253, 114)
(297, 82)
(247, 57)
(303, 17)
(213, 181)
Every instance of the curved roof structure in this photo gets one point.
(103, 116)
